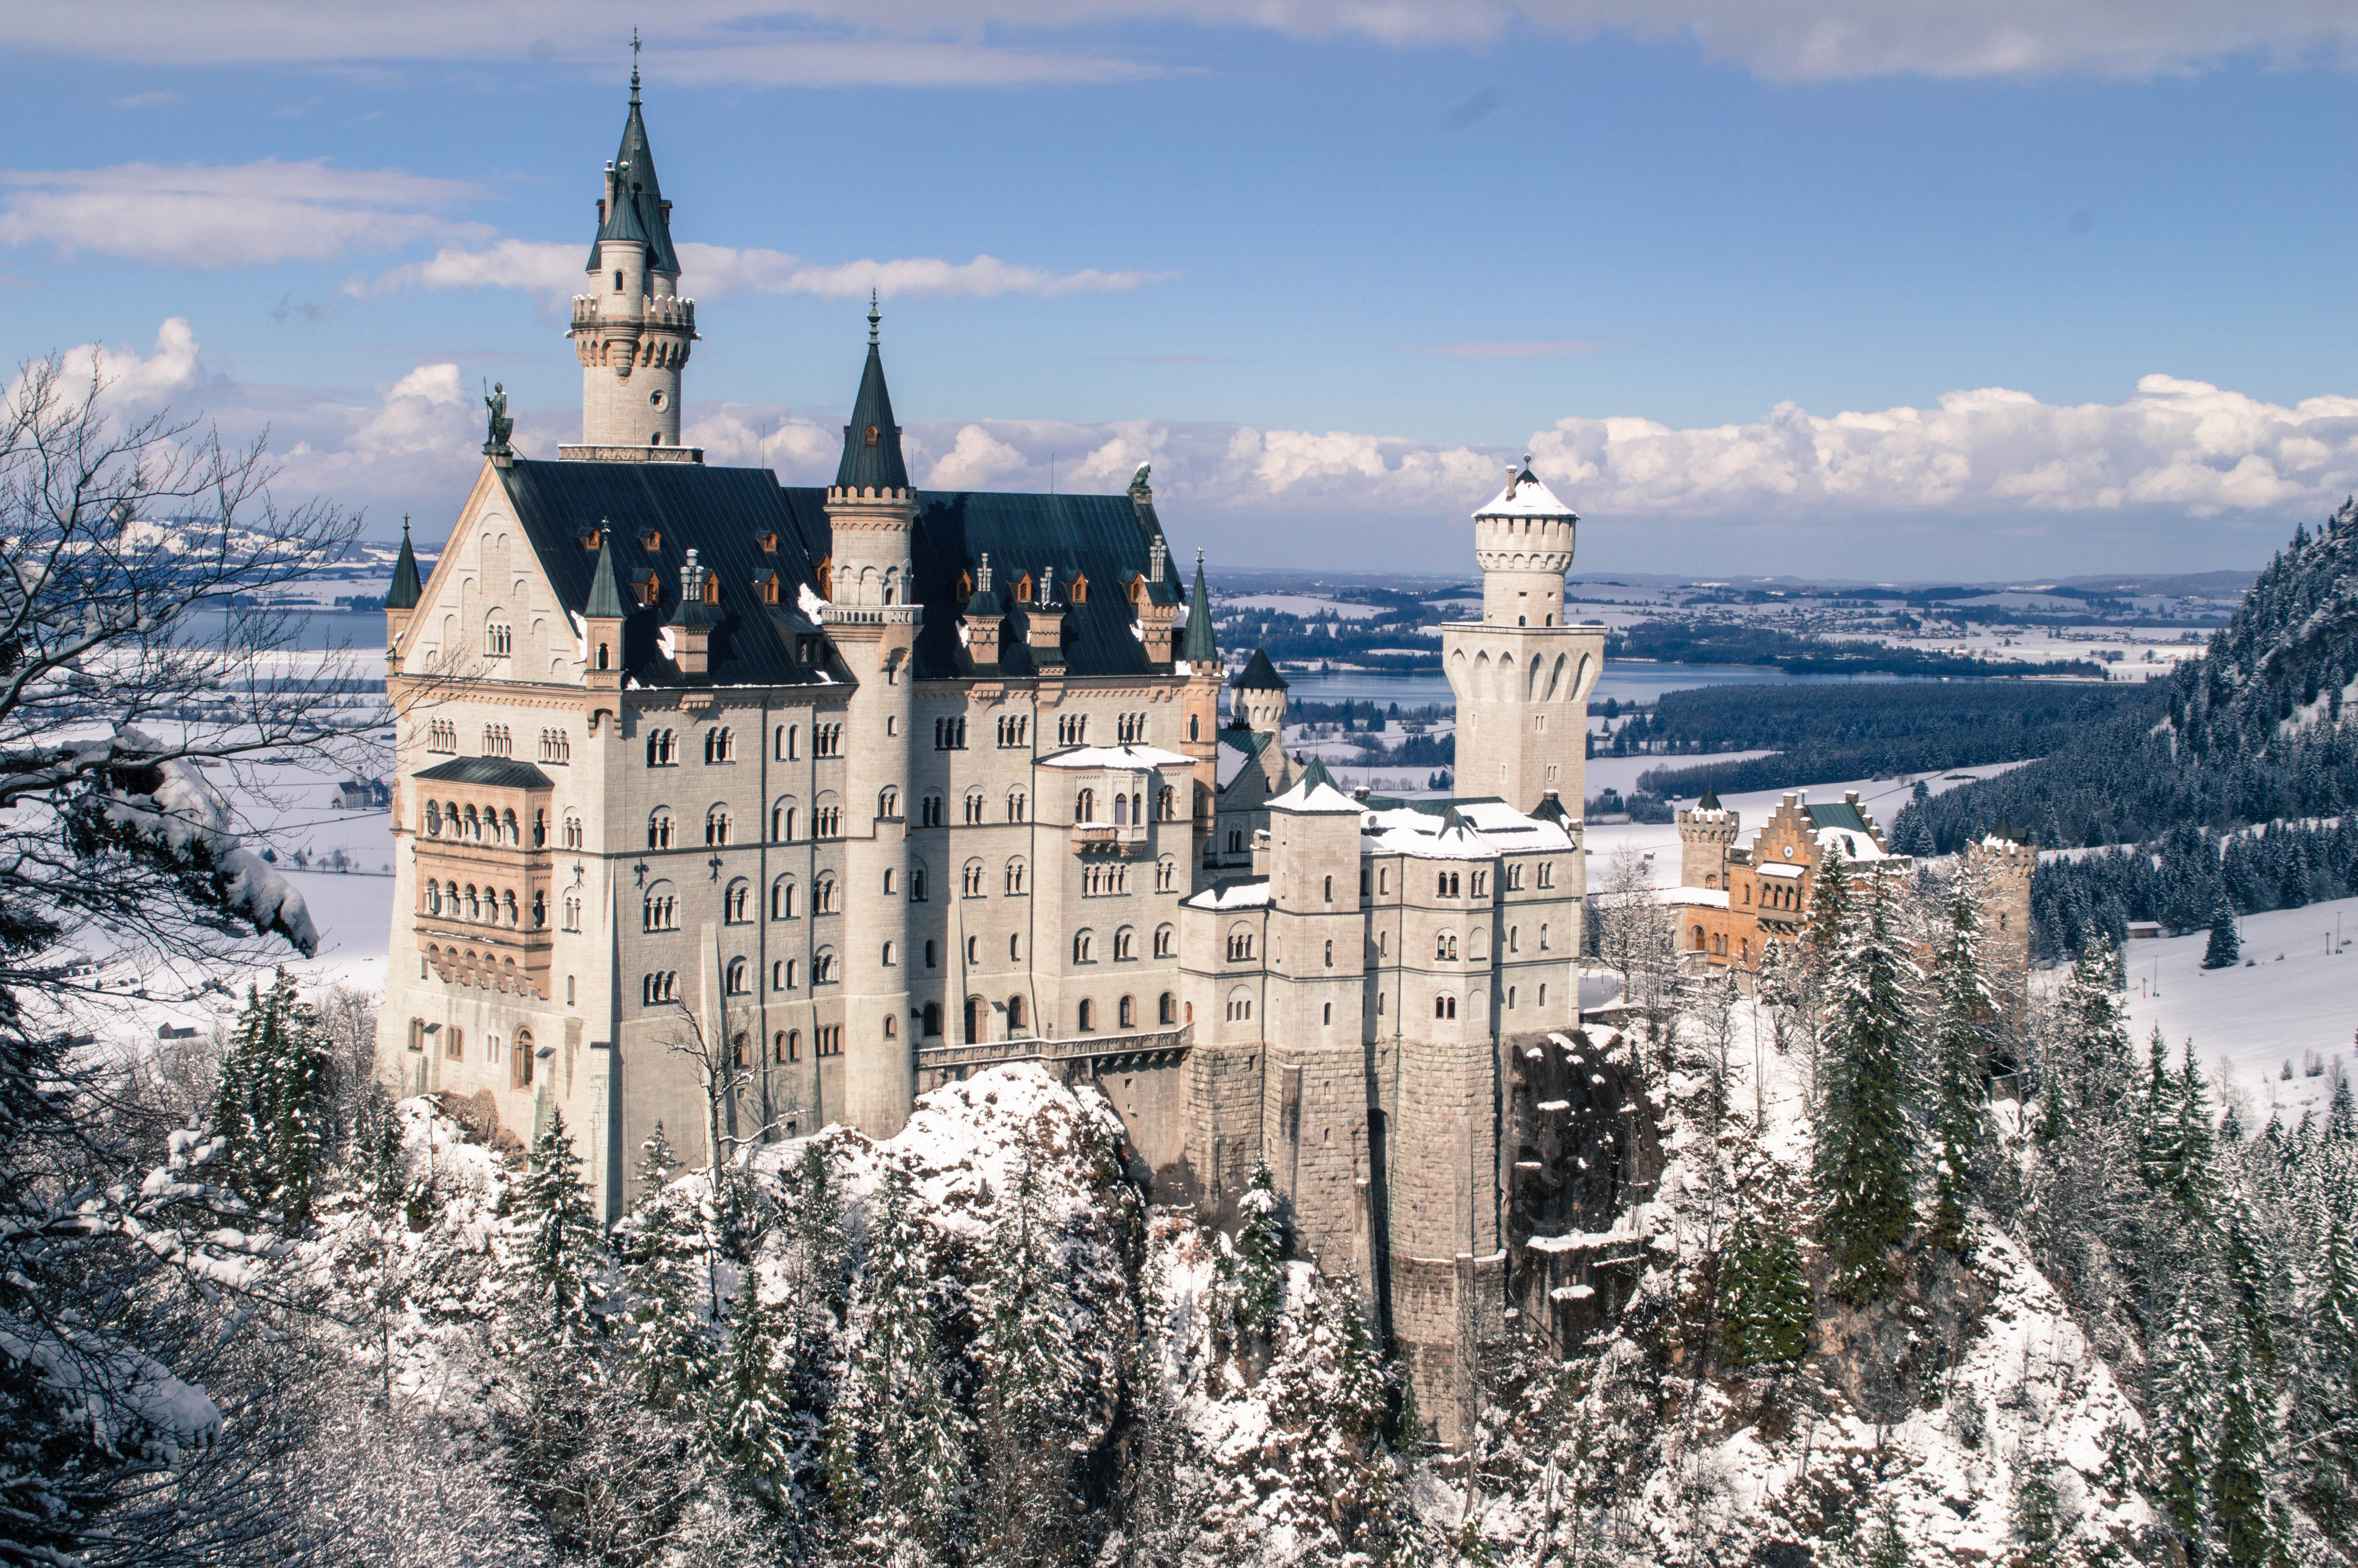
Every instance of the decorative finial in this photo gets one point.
(634, 65)
(404, 525)
(872, 318)
(1199, 555)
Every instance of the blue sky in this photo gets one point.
(2074, 271)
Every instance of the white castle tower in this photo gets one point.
(1521, 676)
(632, 329)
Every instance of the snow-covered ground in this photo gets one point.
(2251, 1021)
(1301, 604)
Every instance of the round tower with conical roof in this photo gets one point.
(632, 331)
(1258, 695)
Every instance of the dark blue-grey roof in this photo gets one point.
(635, 210)
(498, 773)
(871, 442)
(728, 516)
(1259, 675)
(1842, 814)
(405, 590)
(1196, 644)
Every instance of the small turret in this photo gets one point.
(1524, 542)
(602, 620)
(871, 507)
(1199, 650)
(692, 623)
(1260, 695)
(1706, 833)
(982, 619)
(401, 598)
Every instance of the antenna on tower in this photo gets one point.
(634, 65)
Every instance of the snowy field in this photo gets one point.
(1302, 604)
(2252, 1021)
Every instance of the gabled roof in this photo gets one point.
(1259, 675)
(1842, 816)
(497, 772)
(1196, 644)
(871, 442)
(406, 589)
(634, 203)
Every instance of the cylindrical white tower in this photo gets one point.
(1524, 542)
(631, 329)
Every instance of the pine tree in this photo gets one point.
(893, 1396)
(656, 1163)
(2241, 1518)
(1884, 1545)
(2341, 1115)
(749, 1417)
(1257, 1276)
(663, 1255)
(1866, 1143)
(560, 1252)
(2224, 947)
(271, 1101)
(1764, 1308)
(2183, 1422)
(2250, 1287)
(2325, 1412)
(1963, 1009)
(1029, 1399)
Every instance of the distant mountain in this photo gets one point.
(2256, 730)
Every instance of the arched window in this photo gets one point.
(1017, 804)
(889, 955)
(1695, 939)
(1326, 1012)
(659, 908)
(891, 878)
(433, 820)
(1330, 890)
(892, 1027)
(782, 820)
(933, 1019)
(1240, 1006)
(888, 802)
(917, 882)
(1330, 955)
(520, 1073)
(1121, 809)
(1194, 727)
(1084, 946)
(738, 981)
(781, 899)
(1445, 1007)
(715, 825)
(1445, 945)
(970, 880)
(1166, 1009)
(1015, 1011)
(1015, 875)
(1127, 1014)
(1240, 943)
(1085, 805)
(433, 898)
(660, 829)
(734, 902)
(539, 909)
(787, 1045)
(823, 967)
(474, 826)
(823, 895)
(719, 745)
(1125, 944)
(662, 748)
(572, 832)
(1166, 874)
(929, 810)
(1166, 941)
(1166, 804)
(1086, 1014)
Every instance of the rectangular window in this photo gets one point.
(454, 1044)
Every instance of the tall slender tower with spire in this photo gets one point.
(873, 619)
(632, 329)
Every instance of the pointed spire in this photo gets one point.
(871, 442)
(1710, 801)
(1196, 644)
(635, 210)
(406, 589)
(606, 600)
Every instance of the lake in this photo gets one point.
(1626, 680)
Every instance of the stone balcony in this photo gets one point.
(1084, 1053)
(1109, 837)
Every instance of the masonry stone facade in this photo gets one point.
(725, 804)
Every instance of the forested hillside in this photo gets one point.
(2256, 731)
(1871, 730)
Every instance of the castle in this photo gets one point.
(722, 802)
(1735, 901)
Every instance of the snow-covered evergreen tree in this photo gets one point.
(559, 1246)
(656, 1163)
(2224, 947)
(270, 1106)
(2184, 1422)
(750, 1418)
(2243, 1523)
(1255, 1274)
(1866, 1143)
(1963, 1009)
(1764, 1307)
(897, 1457)
(1029, 1398)
(665, 1266)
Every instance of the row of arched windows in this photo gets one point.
(488, 824)
(483, 905)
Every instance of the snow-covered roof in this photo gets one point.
(1697, 898)
(1233, 896)
(1525, 496)
(1312, 795)
(1462, 830)
(1777, 868)
(1133, 759)
(1852, 844)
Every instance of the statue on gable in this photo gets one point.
(501, 427)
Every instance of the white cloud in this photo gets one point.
(554, 270)
(974, 461)
(212, 216)
(939, 42)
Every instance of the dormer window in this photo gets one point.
(965, 587)
(1081, 589)
(1023, 590)
(768, 541)
(766, 585)
(651, 538)
(711, 590)
(589, 540)
(871, 434)
(648, 586)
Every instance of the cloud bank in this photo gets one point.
(2178, 474)
(938, 43)
(553, 270)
